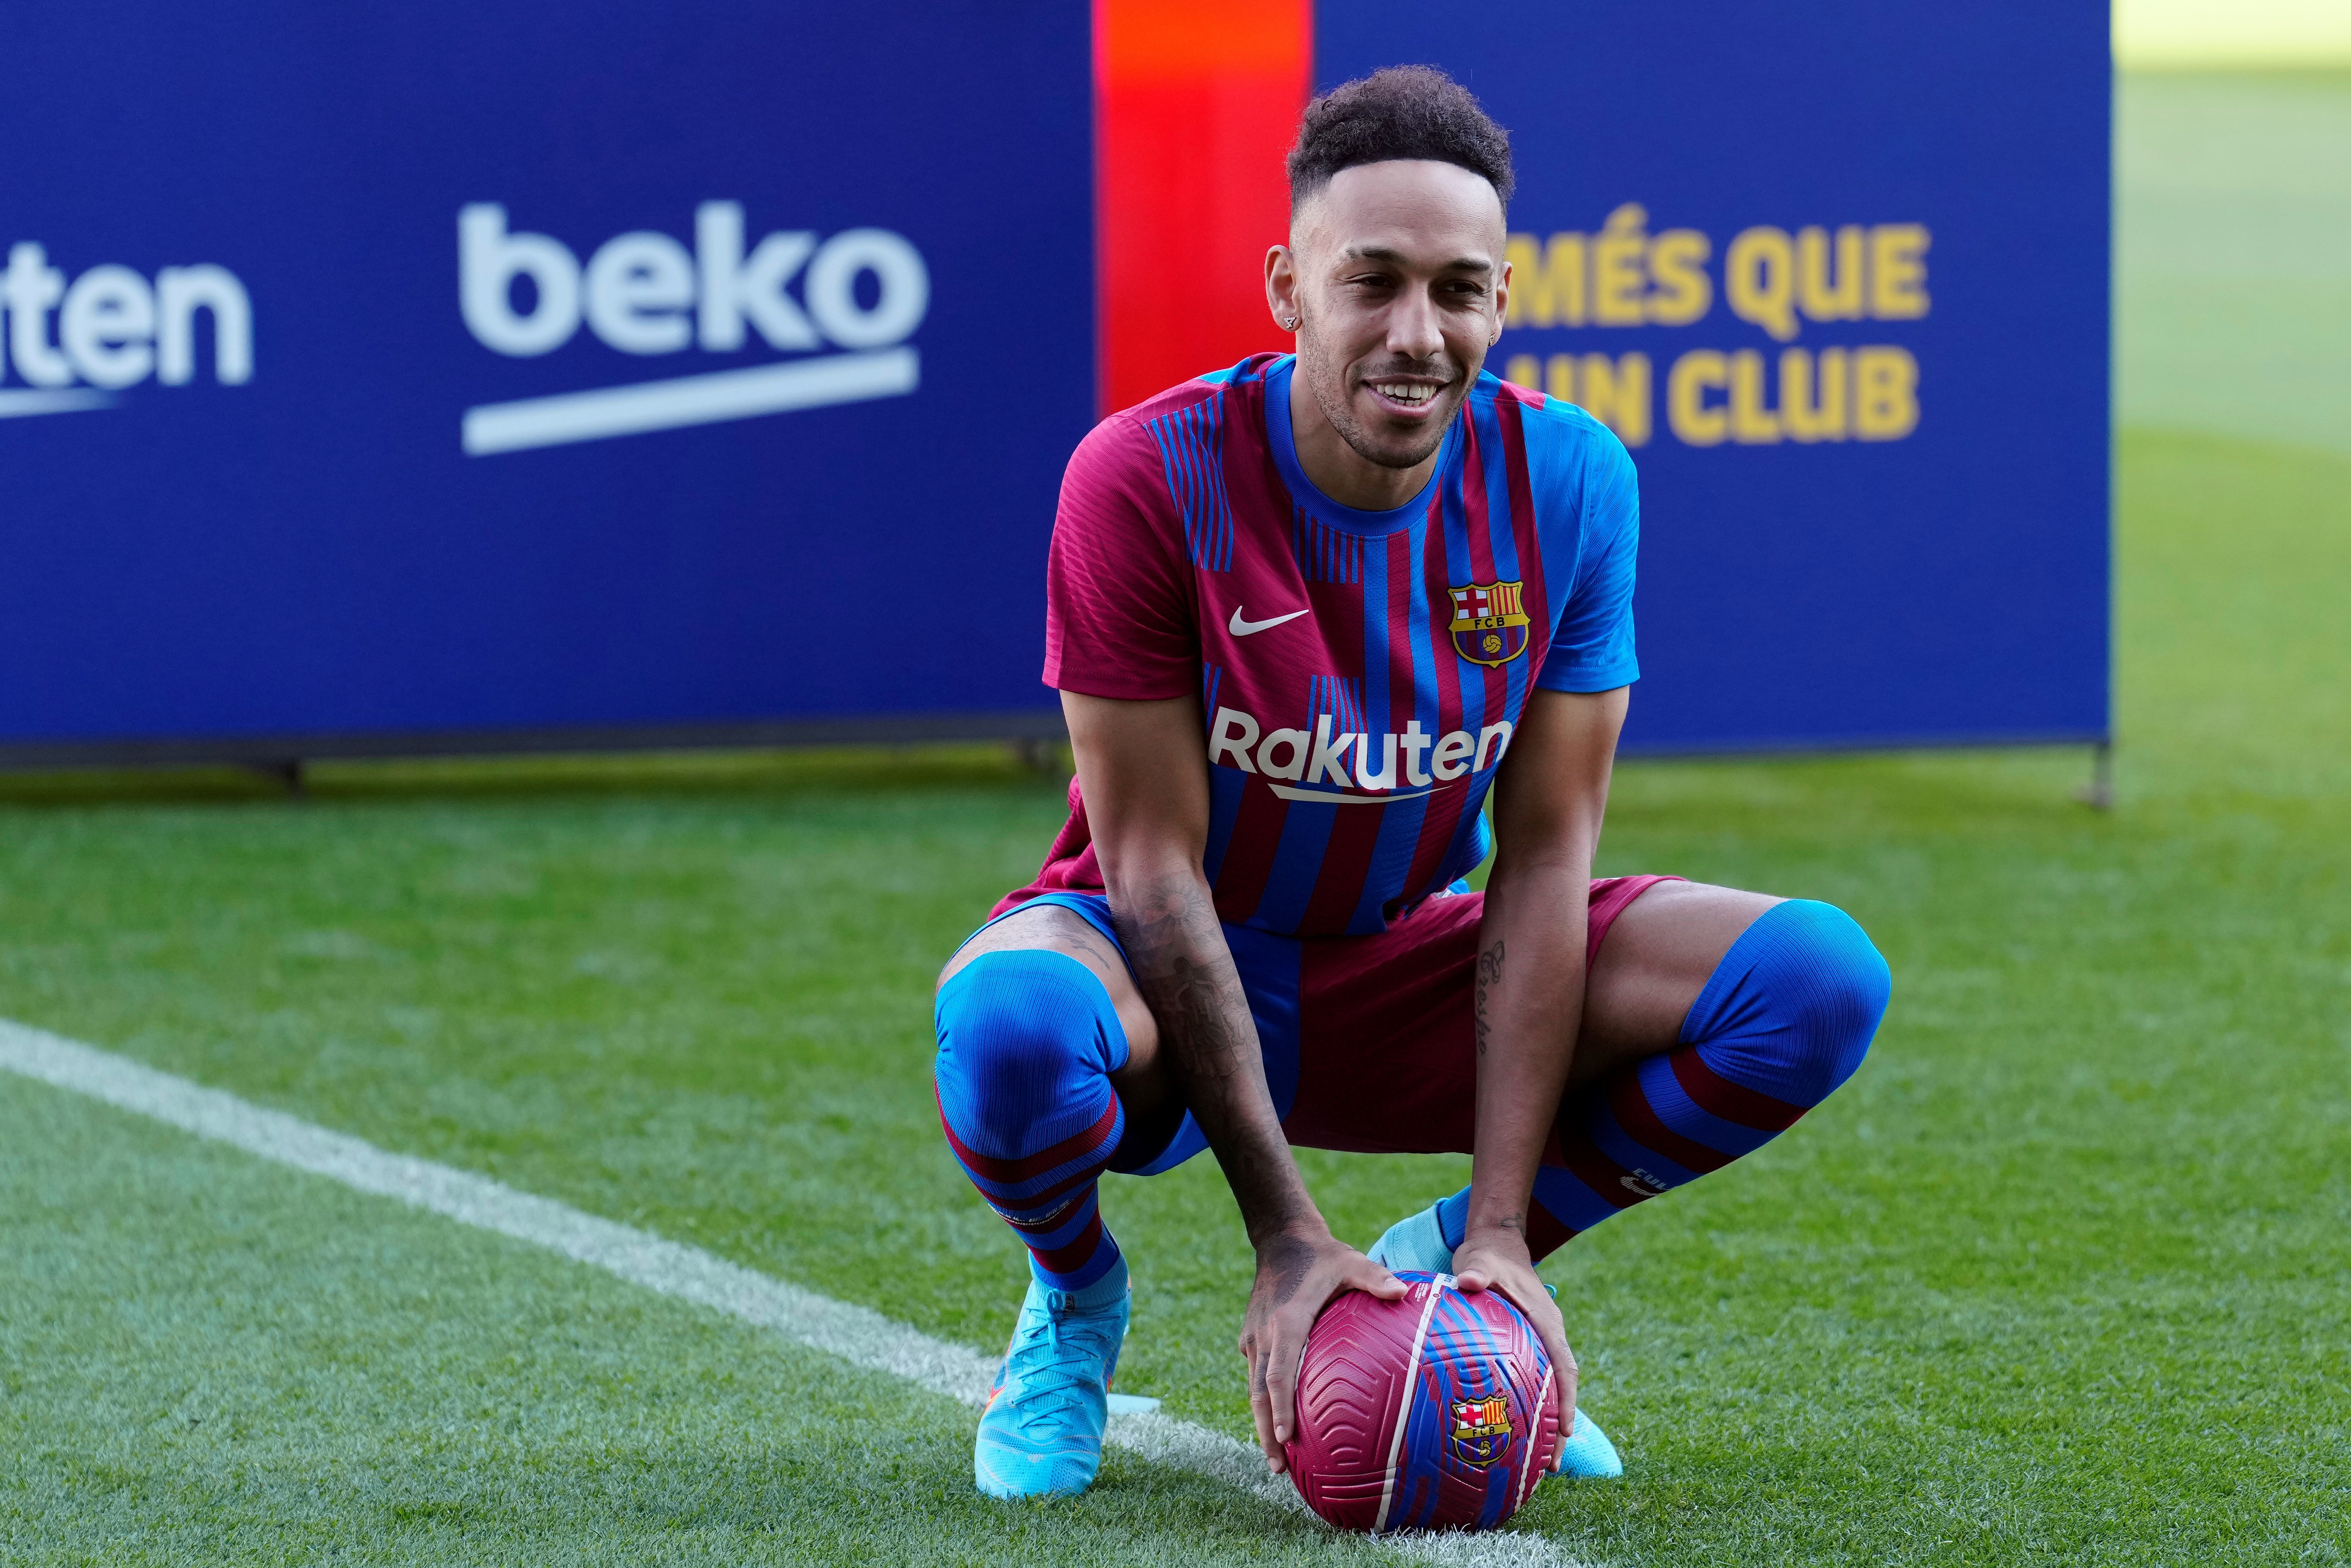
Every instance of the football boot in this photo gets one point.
(1041, 1434)
(1418, 1242)
(1586, 1454)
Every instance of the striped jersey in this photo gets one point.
(1360, 673)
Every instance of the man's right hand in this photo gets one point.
(1142, 769)
(1298, 1270)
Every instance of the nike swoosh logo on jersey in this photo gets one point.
(1241, 628)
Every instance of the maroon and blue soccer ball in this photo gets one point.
(1429, 1413)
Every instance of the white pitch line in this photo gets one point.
(856, 1334)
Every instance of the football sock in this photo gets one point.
(1028, 1041)
(1784, 1019)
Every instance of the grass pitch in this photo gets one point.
(2058, 1278)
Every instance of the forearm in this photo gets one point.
(1185, 972)
(1530, 1006)
(1143, 769)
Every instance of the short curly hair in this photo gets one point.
(1404, 111)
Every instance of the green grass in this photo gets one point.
(2058, 1279)
(208, 1360)
(2234, 207)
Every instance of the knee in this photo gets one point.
(1796, 1003)
(1835, 987)
(1026, 1037)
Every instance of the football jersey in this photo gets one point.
(1360, 673)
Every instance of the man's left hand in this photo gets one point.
(1498, 1261)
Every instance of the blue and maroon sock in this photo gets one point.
(1785, 1018)
(1028, 1041)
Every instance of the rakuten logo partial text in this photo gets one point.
(76, 344)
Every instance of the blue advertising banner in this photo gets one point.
(535, 368)
(1837, 273)
(393, 377)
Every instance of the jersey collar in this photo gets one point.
(1284, 443)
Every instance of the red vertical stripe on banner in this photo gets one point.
(1195, 107)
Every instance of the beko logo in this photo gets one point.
(863, 292)
(113, 328)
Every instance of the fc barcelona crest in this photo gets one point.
(1481, 1427)
(1488, 626)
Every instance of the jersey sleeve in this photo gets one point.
(1592, 642)
(1118, 610)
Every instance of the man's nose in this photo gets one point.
(1415, 331)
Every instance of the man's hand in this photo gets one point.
(1549, 798)
(1143, 769)
(1297, 1273)
(1497, 1262)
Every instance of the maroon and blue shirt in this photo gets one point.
(1360, 673)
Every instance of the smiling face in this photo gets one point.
(1394, 276)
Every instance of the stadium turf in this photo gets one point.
(2057, 1279)
(211, 1360)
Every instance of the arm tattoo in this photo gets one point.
(1290, 1258)
(1107, 958)
(1490, 973)
(1204, 1021)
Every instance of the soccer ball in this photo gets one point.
(1431, 1412)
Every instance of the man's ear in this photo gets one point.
(1281, 287)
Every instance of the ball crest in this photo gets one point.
(1432, 1412)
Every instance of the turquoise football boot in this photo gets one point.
(1041, 1434)
(1419, 1242)
(1587, 1454)
(1414, 1242)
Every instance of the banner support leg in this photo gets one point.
(2098, 794)
(286, 771)
(1038, 756)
